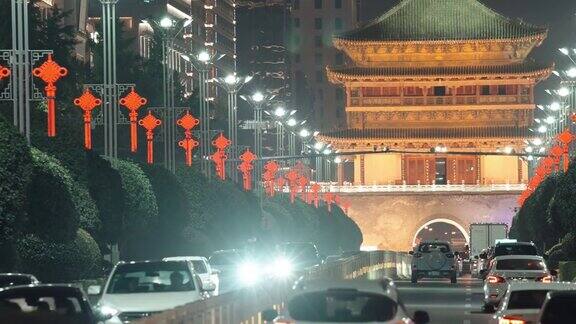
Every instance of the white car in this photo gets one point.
(139, 289)
(344, 301)
(523, 300)
(505, 269)
(203, 268)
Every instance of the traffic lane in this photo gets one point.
(446, 303)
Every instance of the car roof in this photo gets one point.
(564, 293)
(6, 274)
(41, 287)
(384, 286)
(519, 256)
(184, 258)
(514, 243)
(146, 261)
(522, 285)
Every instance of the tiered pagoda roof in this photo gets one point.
(441, 20)
(525, 69)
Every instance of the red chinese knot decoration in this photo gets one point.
(270, 170)
(246, 168)
(133, 101)
(315, 189)
(150, 122)
(329, 199)
(219, 157)
(565, 138)
(188, 143)
(4, 72)
(292, 176)
(87, 102)
(50, 72)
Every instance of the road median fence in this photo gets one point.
(245, 305)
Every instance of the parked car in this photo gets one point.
(17, 279)
(344, 301)
(433, 259)
(558, 307)
(38, 303)
(139, 289)
(203, 269)
(523, 300)
(505, 269)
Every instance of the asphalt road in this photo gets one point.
(446, 303)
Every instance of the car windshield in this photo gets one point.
(151, 277)
(520, 264)
(342, 306)
(515, 249)
(42, 306)
(14, 280)
(433, 247)
(224, 258)
(559, 310)
(527, 299)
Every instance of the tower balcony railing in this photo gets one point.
(423, 188)
(439, 100)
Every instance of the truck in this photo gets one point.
(482, 237)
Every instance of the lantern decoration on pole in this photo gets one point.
(271, 168)
(246, 168)
(329, 199)
(556, 153)
(303, 183)
(133, 101)
(280, 183)
(219, 157)
(150, 122)
(4, 72)
(345, 205)
(315, 189)
(565, 138)
(292, 176)
(50, 72)
(188, 143)
(87, 102)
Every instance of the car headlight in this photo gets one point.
(108, 311)
(283, 267)
(248, 273)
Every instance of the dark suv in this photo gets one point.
(433, 259)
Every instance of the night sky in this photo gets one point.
(558, 15)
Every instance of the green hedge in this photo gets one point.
(59, 261)
(15, 172)
(567, 271)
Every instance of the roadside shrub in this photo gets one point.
(59, 261)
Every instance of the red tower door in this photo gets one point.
(419, 170)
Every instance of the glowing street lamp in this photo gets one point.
(571, 73)
(555, 106)
(563, 92)
(166, 22)
(542, 129)
(564, 51)
(304, 133)
(279, 112)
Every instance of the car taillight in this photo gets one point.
(546, 279)
(511, 320)
(495, 279)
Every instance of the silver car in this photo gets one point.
(433, 259)
(505, 269)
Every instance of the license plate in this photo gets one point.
(434, 273)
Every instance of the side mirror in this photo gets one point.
(209, 286)
(411, 252)
(94, 290)
(421, 317)
(269, 315)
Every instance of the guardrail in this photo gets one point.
(423, 188)
(245, 305)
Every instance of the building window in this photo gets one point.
(485, 90)
(318, 59)
(501, 90)
(296, 4)
(318, 41)
(297, 22)
(441, 171)
(318, 23)
(439, 91)
(317, 4)
(338, 23)
(338, 4)
(319, 76)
